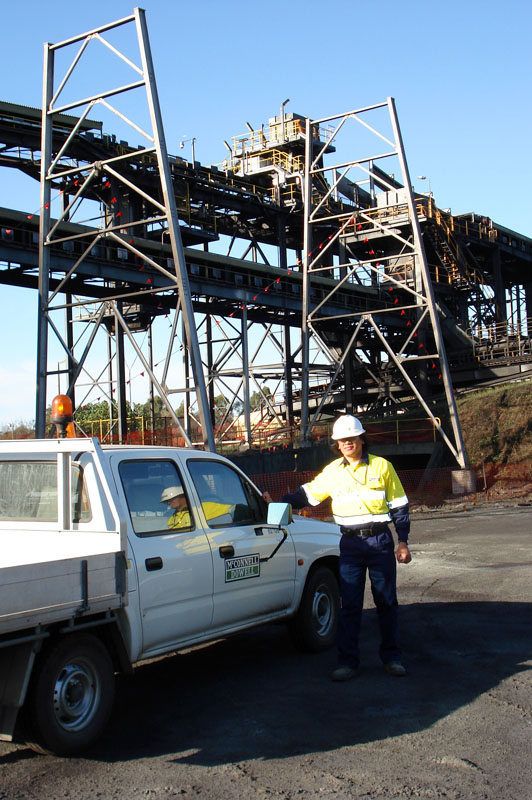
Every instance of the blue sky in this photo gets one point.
(459, 71)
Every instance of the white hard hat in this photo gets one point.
(346, 426)
(170, 492)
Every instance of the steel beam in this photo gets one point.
(53, 171)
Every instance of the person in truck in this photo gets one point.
(367, 496)
(174, 496)
(216, 512)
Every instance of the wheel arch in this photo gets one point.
(104, 628)
(313, 626)
(330, 561)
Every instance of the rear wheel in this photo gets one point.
(314, 626)
(71, 696)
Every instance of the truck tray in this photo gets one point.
(33, 594)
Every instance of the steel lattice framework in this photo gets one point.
(159, 208)
(302, 271)
(401, 267)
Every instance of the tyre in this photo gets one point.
(314, 626)
(70, 697)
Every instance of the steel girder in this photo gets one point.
(247, 314)
(159, 208)
(382, 246)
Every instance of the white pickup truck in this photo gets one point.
(98, 572)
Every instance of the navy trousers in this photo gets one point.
(376, 556)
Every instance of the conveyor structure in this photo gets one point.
(303, 262)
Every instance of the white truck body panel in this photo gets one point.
(53, 545)
(49, 591)
(85, 541)
(49, 572)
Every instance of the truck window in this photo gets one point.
(227, 499)
(28, 491)
(156, 497)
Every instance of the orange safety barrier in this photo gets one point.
(423, 487)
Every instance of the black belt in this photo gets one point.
(366, 532)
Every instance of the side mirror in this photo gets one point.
(279, 514)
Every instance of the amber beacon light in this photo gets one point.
(62, 414)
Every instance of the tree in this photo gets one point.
(94, 418)
(91, 412)
(144, 409)
(257, 398)
(18, 430)
(221, 404)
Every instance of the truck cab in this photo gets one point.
(112, 555)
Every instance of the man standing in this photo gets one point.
(367, 496)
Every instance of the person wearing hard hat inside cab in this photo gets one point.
(367, 496)
(174, 496)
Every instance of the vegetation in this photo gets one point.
(497, 424)
(18, 430)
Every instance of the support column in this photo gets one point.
(245, 374)
(71, 366)
(210, 376)
(152, 392)
(110, 356)
(174, 231)
(461, 455)
(186, 374)
(528, 307)
(498, 287)
(121, 380)
(348, 383)
(281, 242)
(307, 248)
(288, 381)
(44, 251)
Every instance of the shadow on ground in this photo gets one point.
(255, 697)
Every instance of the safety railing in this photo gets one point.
(373, 218)
(106, 430)
(266, 433)
(447, 225)
(506, 339)
(396, 431)
(252, 163)
(278, 131)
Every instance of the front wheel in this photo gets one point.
(71, 696)
(314, 627)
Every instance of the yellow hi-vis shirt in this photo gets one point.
(217, 513)
(179, 519)
(360, 494)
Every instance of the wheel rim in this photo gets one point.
(77, 693)
(322, 611)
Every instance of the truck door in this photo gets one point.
(172, 553)
(254, 565)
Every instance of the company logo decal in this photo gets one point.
(240, 567)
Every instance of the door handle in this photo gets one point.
(226, 551)
(154, 563)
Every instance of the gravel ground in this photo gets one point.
(251, 717)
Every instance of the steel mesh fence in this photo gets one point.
(423, 487)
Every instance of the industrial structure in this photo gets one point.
(303, 262)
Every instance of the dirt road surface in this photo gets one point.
(252, 718)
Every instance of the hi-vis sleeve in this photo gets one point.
(398, 505)
(323, 485)
(395, 494)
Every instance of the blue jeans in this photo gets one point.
(375, 555)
